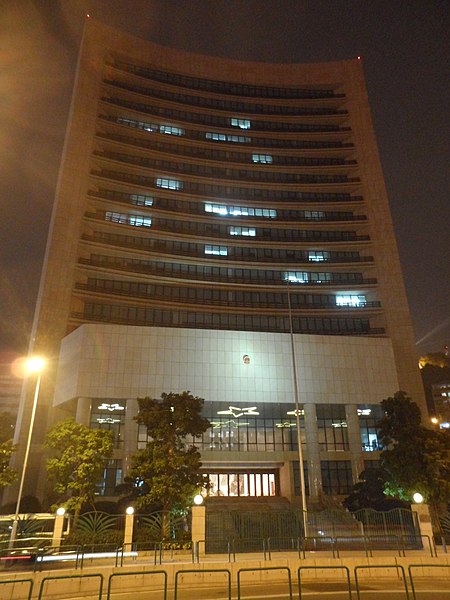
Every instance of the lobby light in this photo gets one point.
(34, 365)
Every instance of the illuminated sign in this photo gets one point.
(110, 407)
(238, 412)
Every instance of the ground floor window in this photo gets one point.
(336, 477)
(243, 484)
(111, 478)
(297, 484)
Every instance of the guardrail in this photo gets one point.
(348, 581)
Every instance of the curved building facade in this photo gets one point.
(208, 213)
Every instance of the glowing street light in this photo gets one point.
(34, 365)
(418, 498)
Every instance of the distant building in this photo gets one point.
(10, 389)
(207, 208)
(435, 371)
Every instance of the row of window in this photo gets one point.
(221, 172)
(171, 318)
(151, 127)
(230, 191)
(218, 155)
(223, 87)
(223, 297)
(126, 219)
(225, 274)
(223, 122)
(226, 210)
(261, 428)
(240, 211)
(201, 229)
(224, 104)
(237, 253)
(233, 138)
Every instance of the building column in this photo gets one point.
(130, 433)
(83, 414)
(312, 445)
(354, 440)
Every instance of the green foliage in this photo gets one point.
(159, 526)
(415, 459)
(169, 467)
(7, 474)
(81, 454)
(95, 528)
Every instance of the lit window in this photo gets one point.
(221, 137)
(217, 250)
(241, 123)
(296, 276)
(249, 231)
(349, 300)
(139, 221)
(135, 220)
(265, 159)
(240, 211)
(141, 200)
(171, 130)
(170, 184)
(218, 209)
(314, 215)
(138, 124)
(318, 255)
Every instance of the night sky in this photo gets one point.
(405, 50)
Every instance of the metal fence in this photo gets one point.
(394, 529)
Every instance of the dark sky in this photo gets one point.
(405, 49)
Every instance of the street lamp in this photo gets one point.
(297, 413)
(33, 365)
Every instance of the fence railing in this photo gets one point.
(381, 578)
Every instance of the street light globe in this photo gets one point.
(418, 498)
(198, 499)
(35, 364)
(61, 511)
(130, 510)
(434, 420)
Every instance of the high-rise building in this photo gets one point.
(209, 212)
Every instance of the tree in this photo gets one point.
(416, 459)
(81, 454)
(7, 474)
(169, 467)
(369, 492)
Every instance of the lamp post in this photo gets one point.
(297, 413)
(34, 364)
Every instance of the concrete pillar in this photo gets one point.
(354, 440)
(424, 518)
(83, 414)
(129, 527)
(58, 527)
(198, 528)
(312, 445)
